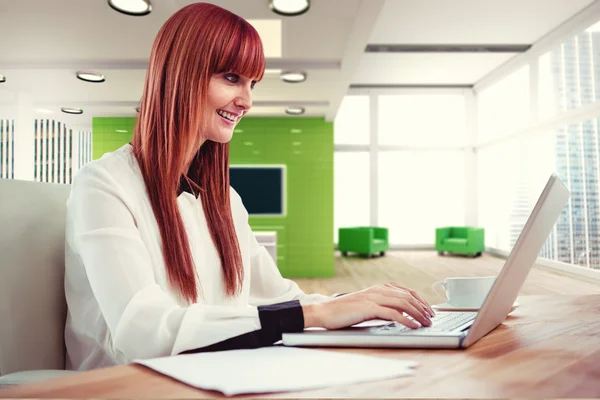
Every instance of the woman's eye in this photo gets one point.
(233, 78)
(252, 84)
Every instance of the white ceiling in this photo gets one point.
(46, 41)
(455, 22)
(426, 68)
(471, 21)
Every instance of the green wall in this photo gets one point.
(305, 146)
(105, 137)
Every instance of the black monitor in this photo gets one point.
(261, 187)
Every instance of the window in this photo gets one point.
(52, 148)
(7, 148)
(504, 108)
(576, 236)
(351, 190)
(84, 148)
(569, 75)
(419, 191)
(512, 175)
(422, 120)
(351, 125)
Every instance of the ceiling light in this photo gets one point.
(121, 131)
(70, 110)
(293, 76)
(295, 110)
(131, 7)
(2, 79)
(90, 76)
(289, 8)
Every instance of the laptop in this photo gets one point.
(452, 329)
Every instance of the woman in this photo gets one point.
(160, 258)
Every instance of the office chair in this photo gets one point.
(32, 265)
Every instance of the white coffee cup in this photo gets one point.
(465, 291)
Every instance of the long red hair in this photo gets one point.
(196, 42)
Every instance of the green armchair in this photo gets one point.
(461, 240)
(363, 240)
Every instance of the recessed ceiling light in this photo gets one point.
(2, 79)
(289, 8)
(70, 110)
(90, 76)
(121, 130)
(295, 110)
(293, 76)
(131, 7)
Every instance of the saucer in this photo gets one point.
(448, 307)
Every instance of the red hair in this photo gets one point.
(196, 42)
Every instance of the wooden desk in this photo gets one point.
(548, 347)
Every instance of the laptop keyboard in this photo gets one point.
(442, 322)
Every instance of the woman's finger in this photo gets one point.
(402, 293)
(406, 304)
(416, 295)
(390, 314)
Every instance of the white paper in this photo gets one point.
(276, 369)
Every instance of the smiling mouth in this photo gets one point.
(228, 116)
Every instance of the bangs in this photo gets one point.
(243, 53)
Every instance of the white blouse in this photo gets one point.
(121, 306)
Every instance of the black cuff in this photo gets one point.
(282, 317)
(275, 319)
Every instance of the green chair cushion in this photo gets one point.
(457, 241)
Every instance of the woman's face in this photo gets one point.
(229, 98)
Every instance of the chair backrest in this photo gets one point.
(459, 232)
(32, 266)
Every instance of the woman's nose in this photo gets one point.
(244, 99)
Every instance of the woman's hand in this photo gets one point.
(387, 302)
